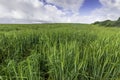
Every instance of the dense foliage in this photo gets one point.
(59, 52)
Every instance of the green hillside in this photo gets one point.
(59, 52)
(109, 23)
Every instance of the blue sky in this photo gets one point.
(89, 5)
(60, 11)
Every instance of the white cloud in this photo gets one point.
(30, 10)
(73, 5)
(36, 10)
(17, 14)
(109, 10)
(111, 3)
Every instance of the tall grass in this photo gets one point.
(59, 52)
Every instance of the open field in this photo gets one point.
(59, 52)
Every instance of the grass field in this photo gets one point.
(59, 52)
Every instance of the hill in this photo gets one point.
(108, 23)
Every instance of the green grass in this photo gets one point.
(59, 52)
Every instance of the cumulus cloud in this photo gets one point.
(111, 3)
(73, 5)
(50, 11)
(36, 10)
(109, 10)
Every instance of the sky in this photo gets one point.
(58, 11)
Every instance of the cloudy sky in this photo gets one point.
(60, 11)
